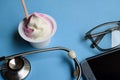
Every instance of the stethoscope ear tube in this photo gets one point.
(77, 72)
(71, 54)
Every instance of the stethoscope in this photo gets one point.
(17, 67)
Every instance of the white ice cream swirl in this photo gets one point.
(40, 26)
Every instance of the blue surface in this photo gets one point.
(74, 18)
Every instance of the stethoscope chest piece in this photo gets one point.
(16, 69)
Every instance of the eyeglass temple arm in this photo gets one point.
(97, 40)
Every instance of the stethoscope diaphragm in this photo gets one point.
(16, 69)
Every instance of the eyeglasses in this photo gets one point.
(100, 35)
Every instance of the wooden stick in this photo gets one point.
(25, 9)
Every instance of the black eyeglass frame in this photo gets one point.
(100, 35)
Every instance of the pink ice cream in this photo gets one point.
(38, 26)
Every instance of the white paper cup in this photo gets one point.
(38, 43)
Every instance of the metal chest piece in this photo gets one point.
(16, 69)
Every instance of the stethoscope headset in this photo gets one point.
(17, 67)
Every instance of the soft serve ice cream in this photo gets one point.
(38, 27)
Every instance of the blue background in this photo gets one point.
(74, 18)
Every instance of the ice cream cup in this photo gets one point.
(38, 43)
